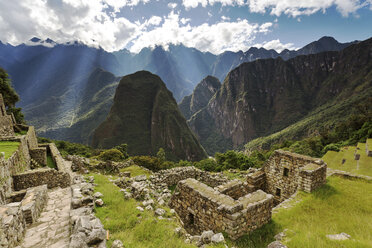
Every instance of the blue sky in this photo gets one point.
(208, 25)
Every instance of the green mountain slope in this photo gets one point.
(146, 117)
(266, 96)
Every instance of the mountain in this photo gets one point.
(52, 78)
(89, 111)
(200, 97)
(146, 117)
(265, 96)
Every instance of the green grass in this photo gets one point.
(342, 205)
(9, 147)
(23, 132)
(133, 228)
(234, 175)
(50, 162)
(136, 171)
(334, 160)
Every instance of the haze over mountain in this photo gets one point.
(145, 116)
(264, 96)
(52, 79)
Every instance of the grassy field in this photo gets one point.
(363, 166)
(342, 205)
(136, 171)
(136, 229)
(9, 147)
(50, 162)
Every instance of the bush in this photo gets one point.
(123, 148)
(331, 147)
(234, 160)
(111, 155)
(208, 164)
(152, 163)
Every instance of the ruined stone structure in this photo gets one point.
(6, 121)
(285, 173)
(201, 207)
(172, 176)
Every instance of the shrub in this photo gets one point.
(331, 147)
(152, 163)
(123, 148)
(111, 154)
(208, 164)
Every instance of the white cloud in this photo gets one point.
(65, 20)
(276, 45)
(295, 8)
(215, 38)
(292, 8)
(265, 28)
(195, 3)
(225, 18)
(172, 5)
(118, 4)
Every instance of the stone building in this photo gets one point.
(285, 173)
(201, 208)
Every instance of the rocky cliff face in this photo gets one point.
(146, 117)
(265, 96)
(200, 97)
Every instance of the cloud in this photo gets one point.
(292, 8)
(276, 45)
(215, 38)
(195, 3)
(172, 5)
(86, 21)
(265, 28)
(295, 8)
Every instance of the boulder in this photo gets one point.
(217, 238)
(117, 244)
(207, 236)
(99, 202)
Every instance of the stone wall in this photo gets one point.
(33, 203)
(235, 189)
(257, 179)
(174, 175)
(37, 177)
(201, 208)
(17, 163)
(39, 155)
(283, 173)
(312, 176)
(12, 225)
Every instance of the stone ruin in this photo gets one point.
(201, 208)
(37, 198)
(285, 173)
(237, 207)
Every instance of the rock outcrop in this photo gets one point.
(146, 117)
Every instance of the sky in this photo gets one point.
(208, 25)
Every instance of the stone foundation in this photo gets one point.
(50, 177)
(200, 208)
(172, 176)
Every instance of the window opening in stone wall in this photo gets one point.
(277, 193)
(286, 172)
(191, 219)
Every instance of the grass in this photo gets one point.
(8, 147)
(342, 205)
(50, 162)
(134, 228)
(136, 171)
(23, 132)
(334, 160)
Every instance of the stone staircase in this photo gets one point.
(34, 164)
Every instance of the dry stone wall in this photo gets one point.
(6, 121)
(201, 207)
(39, 155)
(173, 176)
(235, 189)
(50, 177)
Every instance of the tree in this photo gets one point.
(10, 96)
(123, 148)
(161, 155)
